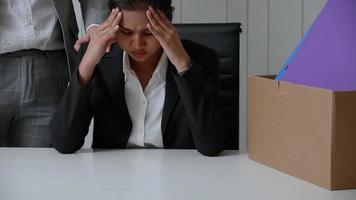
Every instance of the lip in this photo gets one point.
(139, 53)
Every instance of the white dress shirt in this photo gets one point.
(29, 24)
(145, 107)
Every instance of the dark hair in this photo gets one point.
(164, 5)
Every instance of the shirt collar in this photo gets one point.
(161, 69)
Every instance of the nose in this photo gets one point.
(138, 41)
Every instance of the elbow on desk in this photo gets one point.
(210, 150)
(63, 144)
(209, 153)
(65, 149)
(211, 144)
(63, 139)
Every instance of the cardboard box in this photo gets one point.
(307, 132)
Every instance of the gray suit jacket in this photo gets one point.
(94, 12)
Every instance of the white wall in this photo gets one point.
(271, 30)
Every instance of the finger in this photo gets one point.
(164, 17)
(111, 29)
(153, 23)
(112, 16)
(109, 33)
(80, 41)
(109, 40)
(108, 49)
(160, 21)
(155, 33)
(77, 47)
(114, 26)
(117, 19)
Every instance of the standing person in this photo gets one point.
(94, 13)
(151, 91)
(36, 59)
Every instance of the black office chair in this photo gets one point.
(224, 38)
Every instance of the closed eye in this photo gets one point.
(125, 32)
(147, 32)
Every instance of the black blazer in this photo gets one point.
(191, 115)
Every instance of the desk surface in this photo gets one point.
(34, 174)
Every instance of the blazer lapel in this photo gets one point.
(171, 98)
(111, 69)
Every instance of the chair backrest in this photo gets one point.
(224, 38)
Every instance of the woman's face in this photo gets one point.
(135, 39)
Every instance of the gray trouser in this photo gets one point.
(31, 84)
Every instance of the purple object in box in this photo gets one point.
(327, 57)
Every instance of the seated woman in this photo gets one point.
(151, 91)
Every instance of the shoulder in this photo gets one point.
(195, 48)
(202, 55)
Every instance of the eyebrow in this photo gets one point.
(126, 29)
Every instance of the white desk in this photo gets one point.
(35, 174)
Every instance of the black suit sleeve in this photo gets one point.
(71, 120)
(198, 89)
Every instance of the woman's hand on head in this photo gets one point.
(100, 38)
(103, 36)
(161, 27)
